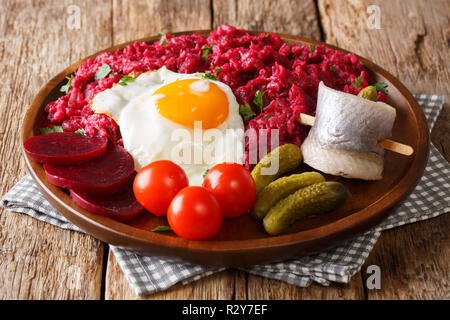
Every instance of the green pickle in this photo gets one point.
(289, 157)
(281, 188)
(369, 93)
(314, 199)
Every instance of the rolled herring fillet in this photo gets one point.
(345, 135)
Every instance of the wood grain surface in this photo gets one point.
(39, 261)
(298, 18)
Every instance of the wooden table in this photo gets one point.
(38, 39)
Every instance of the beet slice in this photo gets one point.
(121, 205)
(100, 176)
(65, 148)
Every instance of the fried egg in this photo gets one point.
(164, 115)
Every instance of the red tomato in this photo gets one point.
(195, 214)
(233, 186)
(157, 183)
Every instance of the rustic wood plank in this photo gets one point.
(414, 261)
(285, 16)
(219, 286)
(263, 288)
(130, 23)
(413, 45)
(137, 19)
(39, 261)
(240, 285)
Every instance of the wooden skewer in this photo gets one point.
(387, 144)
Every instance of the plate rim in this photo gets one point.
(340, 228)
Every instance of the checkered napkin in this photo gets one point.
(149, 274)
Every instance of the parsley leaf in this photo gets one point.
(102, 71)
(125, 80)
(65, 88)
(217, 70)
(267, 117)
(312, 47)
(381, 86)
(258, 100)
(266, 36)
(206, 50)
(51, 130)
(358, 82)
(206, 76)
(80, 132)
(162, 36)
(333, 68)
(162, 229)
(246, 112)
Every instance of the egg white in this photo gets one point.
(149, 136)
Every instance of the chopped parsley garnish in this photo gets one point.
(266, 36)
(205, 173)
(80, 132)
(125, 80)
(102, 71)
(333, 68)
(163, 39)
(65, 88)
(246, 112)
(357, 83)
(312, 47)
(258, 99)
(267, 117)
(51, 130)
(381, 87)
(206, 51)
(162, 229)
(217, 70)
(206, 76)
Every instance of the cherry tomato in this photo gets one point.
(233, 186)
(195, 214)
(157, 183)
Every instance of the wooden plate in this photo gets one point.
(242, 241)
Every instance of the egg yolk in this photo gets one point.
(186, 101)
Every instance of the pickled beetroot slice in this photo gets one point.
(121, 205)
(65, 148)
(100, 176)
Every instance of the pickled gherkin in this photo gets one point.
(314, 199)
(281, 188)
(289, 157)
(369, 93)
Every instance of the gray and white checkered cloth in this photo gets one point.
(149, 274)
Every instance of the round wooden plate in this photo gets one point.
(243, 241)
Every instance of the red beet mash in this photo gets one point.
(288, 75)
